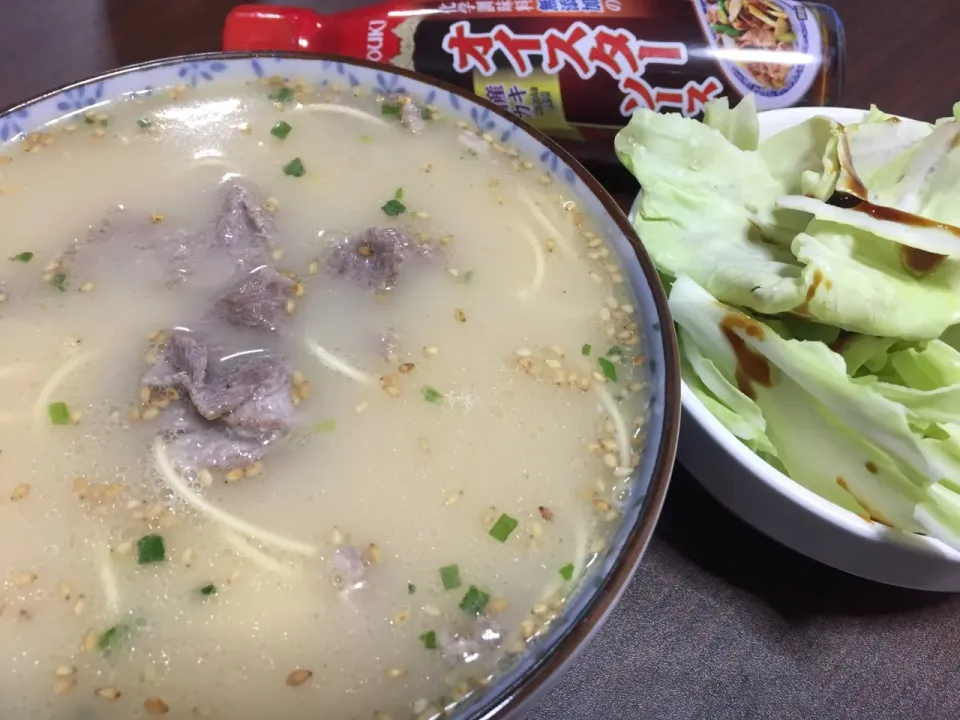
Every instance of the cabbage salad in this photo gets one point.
(814, 279)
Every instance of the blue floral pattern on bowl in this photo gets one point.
(81, 98)
(194, 72)
(10, 124)
(153, 77)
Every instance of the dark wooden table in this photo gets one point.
(720, 623)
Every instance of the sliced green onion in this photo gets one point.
(366, 139)
(726, 30)
(429, 640)
(283, 94)
(431, 394)
(394, 207)
(89, 120)
(411, 588)
(208, 590)
(23, 257)
(615, 351)
(325, 426)
(111, 636)
(609, 371)
(59, 413)
(59, 281)
(468, 276)
(294, 168)
(503, 527)
(450, 577)
(151, 549)
(585, 350)
(281, 130)
(144, 123)
(426, 113)
(392, 109)
(566, 572)
(399, 194)
(475, 601)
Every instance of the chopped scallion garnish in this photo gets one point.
(468, 276)
(426, 113)
(429, 640)
(399, 194)
(281, 130)
(283, 94)
(294, 168)
(394, 207)
(615, 351)
(608, 369)
(411, 588)
(59, 413)
(475, 601)
(59, 281)
(144, 123)
(585, 350)
(366, 139)
(208, 590)
(431, 394)
(151, 549)
(566, 572)
(111, 636)
(325, 426)
(450, 577)
(23, 257)
(503, 527)
(390, 109)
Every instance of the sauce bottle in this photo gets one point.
(577, 69)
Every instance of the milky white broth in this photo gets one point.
(414, 484)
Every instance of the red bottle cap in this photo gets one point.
(266, 27)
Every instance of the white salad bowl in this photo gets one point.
(786, 511)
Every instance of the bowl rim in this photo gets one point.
(753, 464)
(526, 687)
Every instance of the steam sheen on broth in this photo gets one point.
(260, 455)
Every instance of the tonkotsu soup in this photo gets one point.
(311, 406)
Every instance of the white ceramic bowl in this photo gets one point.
(788, 512)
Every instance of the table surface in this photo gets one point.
(720, 622)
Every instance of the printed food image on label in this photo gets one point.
(770, 48)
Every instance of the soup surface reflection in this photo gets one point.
(310, 406)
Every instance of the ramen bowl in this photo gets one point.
(345, 91)
(786, 511)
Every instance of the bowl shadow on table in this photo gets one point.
(793, 585)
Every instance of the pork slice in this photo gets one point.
(239, 402)
(244, 230)
(257, 300)
(194, 443)
(373, 257)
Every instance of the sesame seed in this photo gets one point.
(400, 617)
(20, 491)
(610, 460)
(527, 629)
(107, 693)
(155, 706)
(64, 590)
(271, 204)
(396, 673)
(596, 278)
(277, 254)
(3, 297)
(604, 314)
(336, 537)
(459, 315)
(290, 306)
(186, 557)
(205, 477)
(431, 350)
(76, 416)
(523, 352)
(313, 268)
(256, 467)
(598, 377)
(87, 287)
(392, 390)
(150, 413)
(63, 685)
(372, 554)
(298, 677)
(64, 671)
(497, 605)
(546, 179)
(553, 364)
(362, 406)
(89, 641)
(156, 218)
(406, 367)
(628, 309)
(453, 498)
(420, 215)
(22, 579)
(124, 547)
(601, 505)
(234, 475)
(431, 611)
